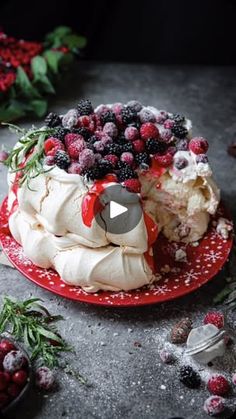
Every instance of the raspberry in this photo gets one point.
(108, 116)
(189, 377)
(146, 116)
(75, 148)
(75, 168)
(86, 158)
(99, 146)
(198, 145)
(51, 145)
(138, 146)
(218, 385)
(166, 136)
(131, 133)
(13, 361)
(126, 173)
(70, 119)
(133, 185)
(84, 121)
(201, 158)
(135, 105)
(52, 120)
(149, 130)
(168, 124)
(127, 157)
(44, 378)
(84, 107)
(180, 163)
(214, 317)
(71, 138)
(142, 158)
(214, 405)
(179, 131)
(62, 159)
(112, 159)
(153, 146)
(128, 115)
(164, 160)
(182, 144)
(161, 117)
(110, 129)
(49, 160)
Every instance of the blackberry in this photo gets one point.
(178, 118)
(93, 173)
(127, 146)
(179, 131)
(90, 147)
(60, 133)
(52, 120)
(105, 166)
(142, 158)
(113, 148)
(108, 116)
(137, 124)
(93, 139)
(153, 146)
(128, 115)
(135, 105)
(84, 107)
(62, 159)
(82, 131)
(189, 377)
(126, 173)
(122, 164)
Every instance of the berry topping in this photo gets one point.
(93, 173)
(62, 159)
(86, 158)
(128, 115)
(6, 346)
(51, 145)
(60, 133)
(164, 160)
(161, 117)
(70, 119)
(20, 377)
(214, 405)
(131, 133)
(82, 131)
(179, 131)
(138, 146)
(127, 157)
(153, 146)
(52, 120)
(84, 107)
(44, 378)
(182, 145)
(149, 130)
(75, 148)
(75, 168)
(146, 116)
(201, 158)
(198, 145)
(132, 185)
(169, 123)
(180, 163)
(113, 160)
(214, 317)
(178, 118)
(135, 105)
(108, 116)
(13, 361)
(189, 377)
(218, 385)
(142, 158)
(110, 129)
(3, 156)
(71, 138)
(166, 136)
(126, 173)
(113, 148)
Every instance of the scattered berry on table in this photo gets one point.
(44, 378)
(179, 131)
(201, 158)
(181, 330)
(70, 119)
(52, 120)
(127, 157)
(84, 107)
(234, 378)
(180, 163)
(20, 377)
(166, 356)
(3, 155)
(198, 145)
(132, 185)
(52, 145)
(149, 130)
(218, 385)
(145, 115)
(13, 361)
(6, 345)
(214, 317)
(153, 146)
(164, 160)
(189, 377)
(62, 159)
(214, 405)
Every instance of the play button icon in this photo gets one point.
(116, 209)
(121, 211)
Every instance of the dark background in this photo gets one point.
(162, 31)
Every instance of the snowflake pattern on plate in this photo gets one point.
(174, 279)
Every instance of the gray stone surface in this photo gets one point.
(129, 380)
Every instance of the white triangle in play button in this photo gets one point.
(116, 209)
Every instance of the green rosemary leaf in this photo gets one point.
(48, 334)
(14, 128)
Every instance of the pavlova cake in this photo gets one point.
(57, 172)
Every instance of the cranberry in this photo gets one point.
(20, 377)
(4, 398)
(13, 390)
(6, 346)
(3, 381)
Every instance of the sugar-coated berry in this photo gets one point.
(117, 107)
(112, 159)
(52, 120)
(3, 155)
(62, 159)
(132, 185)
(201, 158)
(75, 148)
(70, 119)
(135, 104)
(127, 158)
(218, 385)
(154, 146)
(20, 377)
(169, 123)
(214, 317)
(71, 138)
(138, 146)
(99, 146)
(182, 144)
(4, 399)
(131, 133)
(214, 405)
(149, 130)
(180, 163)
(189, 377)
(84, 107)
(13, 361)
(161, 117)
(86, 158)
(49, 160)
(6, 346)
(234, 379)
(166, 356)
(145, 115)
(198, 145)
(75, 168)
(166, 136)
(51, 145)
(164, 160)
(44, 378)
(179, 131)
(13, 390)
(110, 129)
(101, 109)
(3, 381)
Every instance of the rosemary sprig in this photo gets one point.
(32, 323)
(30, 145)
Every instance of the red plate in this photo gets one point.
(176, 278)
